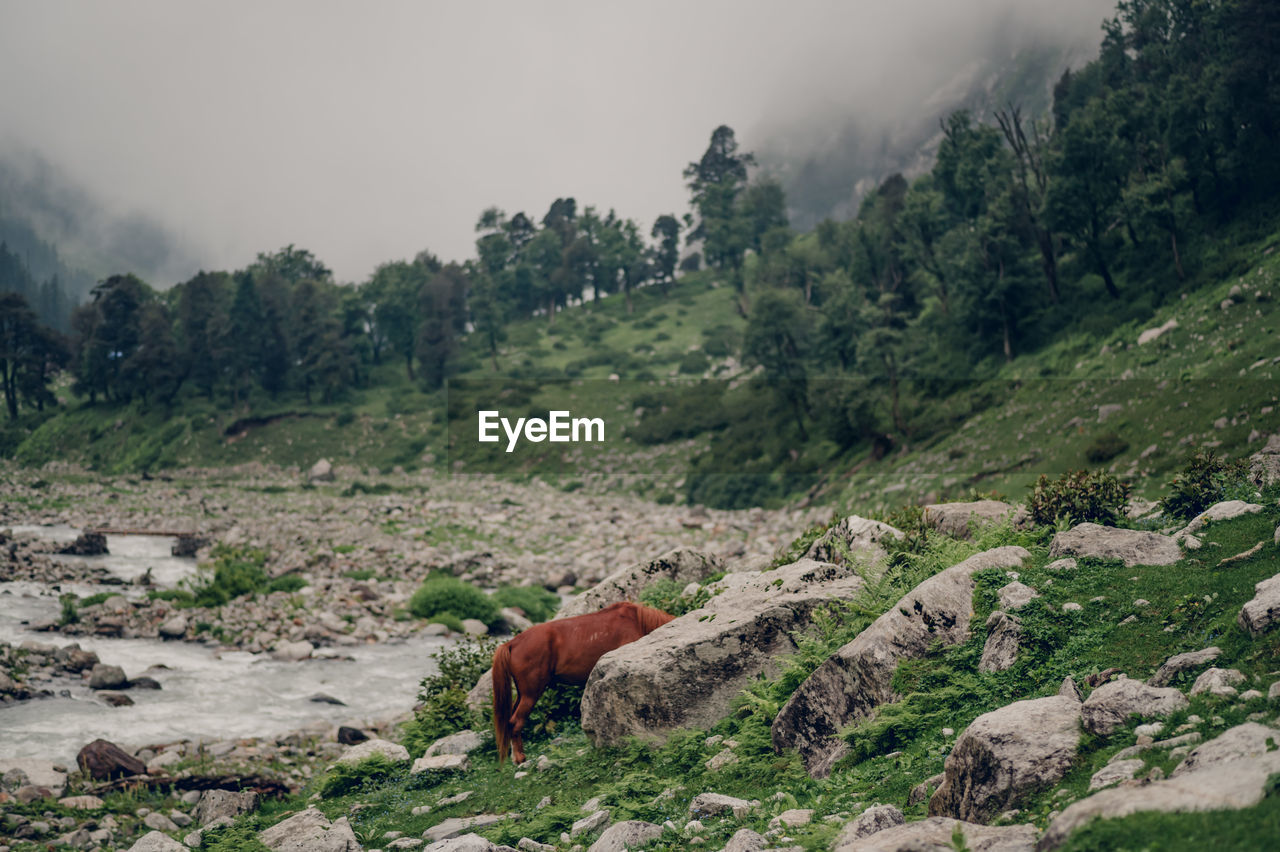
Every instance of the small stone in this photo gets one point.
(1071, 606)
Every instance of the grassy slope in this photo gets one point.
(1191, 605)
(1040, 415)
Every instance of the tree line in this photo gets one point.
(1021, 229)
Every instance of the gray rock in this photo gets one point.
(156, 841)
(454, 826)
(1262, 611)
(959, 520)
(466, 843)
(1068, 689)
(922, 791)
(1250, 740)
(528, 844)
(1133, 547)
(872, 821)
(310, 831)
(858, 678)
(934, 835)
(321, 471)
(1223, 511)
(1180, 663)
(1016, 595)
(625, 835)
(441, 763)
(159, 822)
(686, 673)
(1216, 681)
(714, 804)
(107, 677)
(1001, 649)
(1106, 412)
(852, 536)
(217, 804)
(589, 823)
(1228, 773)
(1152, 333)
(1115, 772)
(1111, 704)
(363, 751)
(1006, 755)
(1264, 465)
(292, 652)
(174, 628)
(682, 565)
(474, 627)
(745, 840)
(463, 742)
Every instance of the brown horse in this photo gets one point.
(560, 651)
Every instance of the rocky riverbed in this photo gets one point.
(128, 665)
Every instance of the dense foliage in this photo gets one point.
(1077, 497)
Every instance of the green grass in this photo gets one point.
(1245, 830)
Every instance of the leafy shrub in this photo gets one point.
(537, 603)
(345, 418)
(345, 778)
(695, 363)
(1205, 480)
(236, 571)
(442, 700)
(667, 595)
(442, 593)
(1080, 496)
(286, 583)
(1105, 447)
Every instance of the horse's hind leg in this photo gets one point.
(518, 719)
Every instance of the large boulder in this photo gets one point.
(1262, 611)
(1227, 773)
(959, 520)
(682, 565)
(1133, 547)
(360, 752)
(873, 820)
(157, 841)
(1264, 465)
(321, 471)
(622, 836)
(1006, 755)
(103, 761)
(1179, 663)
(104, 676)
(310, 831)
(852, 536)
(685, 673)
(857, 678)
(216, 804)
(1111, 705)
(463, 742)
(935, 835)
(1223, 511)
(1003, 638)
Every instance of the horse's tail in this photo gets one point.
(502, 700)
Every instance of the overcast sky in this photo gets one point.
(369, 131)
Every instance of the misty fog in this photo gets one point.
(177, 136)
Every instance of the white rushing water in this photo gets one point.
(204, 695)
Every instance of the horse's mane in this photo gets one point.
(651, 619)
